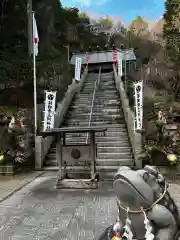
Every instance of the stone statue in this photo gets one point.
(143, 195)
(20, 145)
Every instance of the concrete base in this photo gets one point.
(76, 184)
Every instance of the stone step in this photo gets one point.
(96, 109)
(50, 168)
(98, 99)
(104, 87)
(106, 96)
(109, 95)
(80, 123)
(114, 150)
(115, 109)
(77, 104)
(101, 149)
(86, 114)
(113, 126)
(107, 91)
(112, 145)
(115, 155)
(101, 101)
(105, 163)
(51, 161)
(83, 99)
(99, 138)
(107, 134)
(97, 112)
(124, 143)
(98, 117)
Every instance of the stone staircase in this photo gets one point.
(113, 148)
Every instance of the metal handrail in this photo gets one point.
(92, 104)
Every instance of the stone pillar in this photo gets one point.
(138, 149)
(38, 152)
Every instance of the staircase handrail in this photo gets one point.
(92, 103)
(134, 136)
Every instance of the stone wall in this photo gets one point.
(42, 145)
(135, 138)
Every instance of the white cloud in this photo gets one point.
(89, 3)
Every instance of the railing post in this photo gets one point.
(135, 137)
(92, 105)
(59, 155)
(93, 163)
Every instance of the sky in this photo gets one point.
(126, 10)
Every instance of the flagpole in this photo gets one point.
(34, 78)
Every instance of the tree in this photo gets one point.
(156, 31)
(13, 44)
(139, 27)
(54, 24)
(120, 29)
(71, 15)
(106, 23)
(171, 31)
(83, 19)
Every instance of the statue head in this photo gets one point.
(138, 188)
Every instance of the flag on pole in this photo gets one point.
(115, 57)
(35, 36)
(87, 58)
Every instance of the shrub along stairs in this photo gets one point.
(113, 148)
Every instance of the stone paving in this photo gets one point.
(10, 183)
(40, 212)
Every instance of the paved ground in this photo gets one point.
(10, 183)
(40, 212)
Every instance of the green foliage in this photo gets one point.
(53, 23)
(13, 42)
(171, 33)
(149, 108)
(106, 23)
(171, 30)
(71, 15)
(139, 27)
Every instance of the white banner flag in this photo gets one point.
(120, 73)
(50, 104)
(35, 37)
(138, 90)
(78, 69)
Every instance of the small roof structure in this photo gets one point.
(104, 56)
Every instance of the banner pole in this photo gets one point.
(34, 80)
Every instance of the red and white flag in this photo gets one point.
(87, 58)
(35, 37)
(115, 57)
